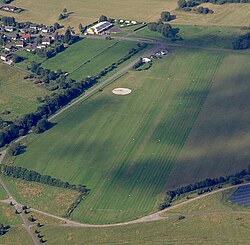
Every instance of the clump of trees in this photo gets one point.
(8, 21)
(14, 149)
(190, 5)
(64, 14)
(204, 186)
(165, 29)
(243, 42)
(166, 16)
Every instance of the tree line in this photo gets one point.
(69, 90)
(242, 42)
(206, 185)
(189, 5)
(30, 175)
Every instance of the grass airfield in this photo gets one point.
(124, 147)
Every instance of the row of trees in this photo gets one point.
(204, 186)
(243, 42)
(165, 29)
(188, 5)
(50, 104)
(30, 175)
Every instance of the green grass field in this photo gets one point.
(209, 36)
(206, 222)
(17, 236)
(123, 148)
(47, 198)
(220, 137)
(99, 53)
(3, 194)
(17, 95)
(8, 216)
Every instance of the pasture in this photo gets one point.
(44, 197)
(16, 235)
(88, 57)
(89, 11)
(124, 147)
(219, 142)
(17, 95)
(206, 222)
(194, 35)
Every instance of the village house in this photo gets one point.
(46, 41)
(4, 57)
(8, 47)
(9, 8)
(12, 36)
(33, 26)
(41, 46)
(25, 36)
(9, 28)
(20, 44)
(31, 48)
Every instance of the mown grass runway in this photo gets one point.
(124, 148)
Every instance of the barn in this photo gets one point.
(99, 28)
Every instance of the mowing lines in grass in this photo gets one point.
(123, 148)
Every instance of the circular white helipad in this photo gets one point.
(121, 91)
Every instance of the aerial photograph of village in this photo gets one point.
(124, 122)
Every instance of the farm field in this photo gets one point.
(99, 53)
(43, 197)
(220, 137)
(211, 36)
(123, 148)
(89, 11)
(17, 95)
(241, 196)
(206, 222)
(16, 235)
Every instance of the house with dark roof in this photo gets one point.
(19, 44)
(8, 47)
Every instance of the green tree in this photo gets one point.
(42, 125)
(182, 3)
(68, 36)
(14, 149)
(103, 18)
(165, 16)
